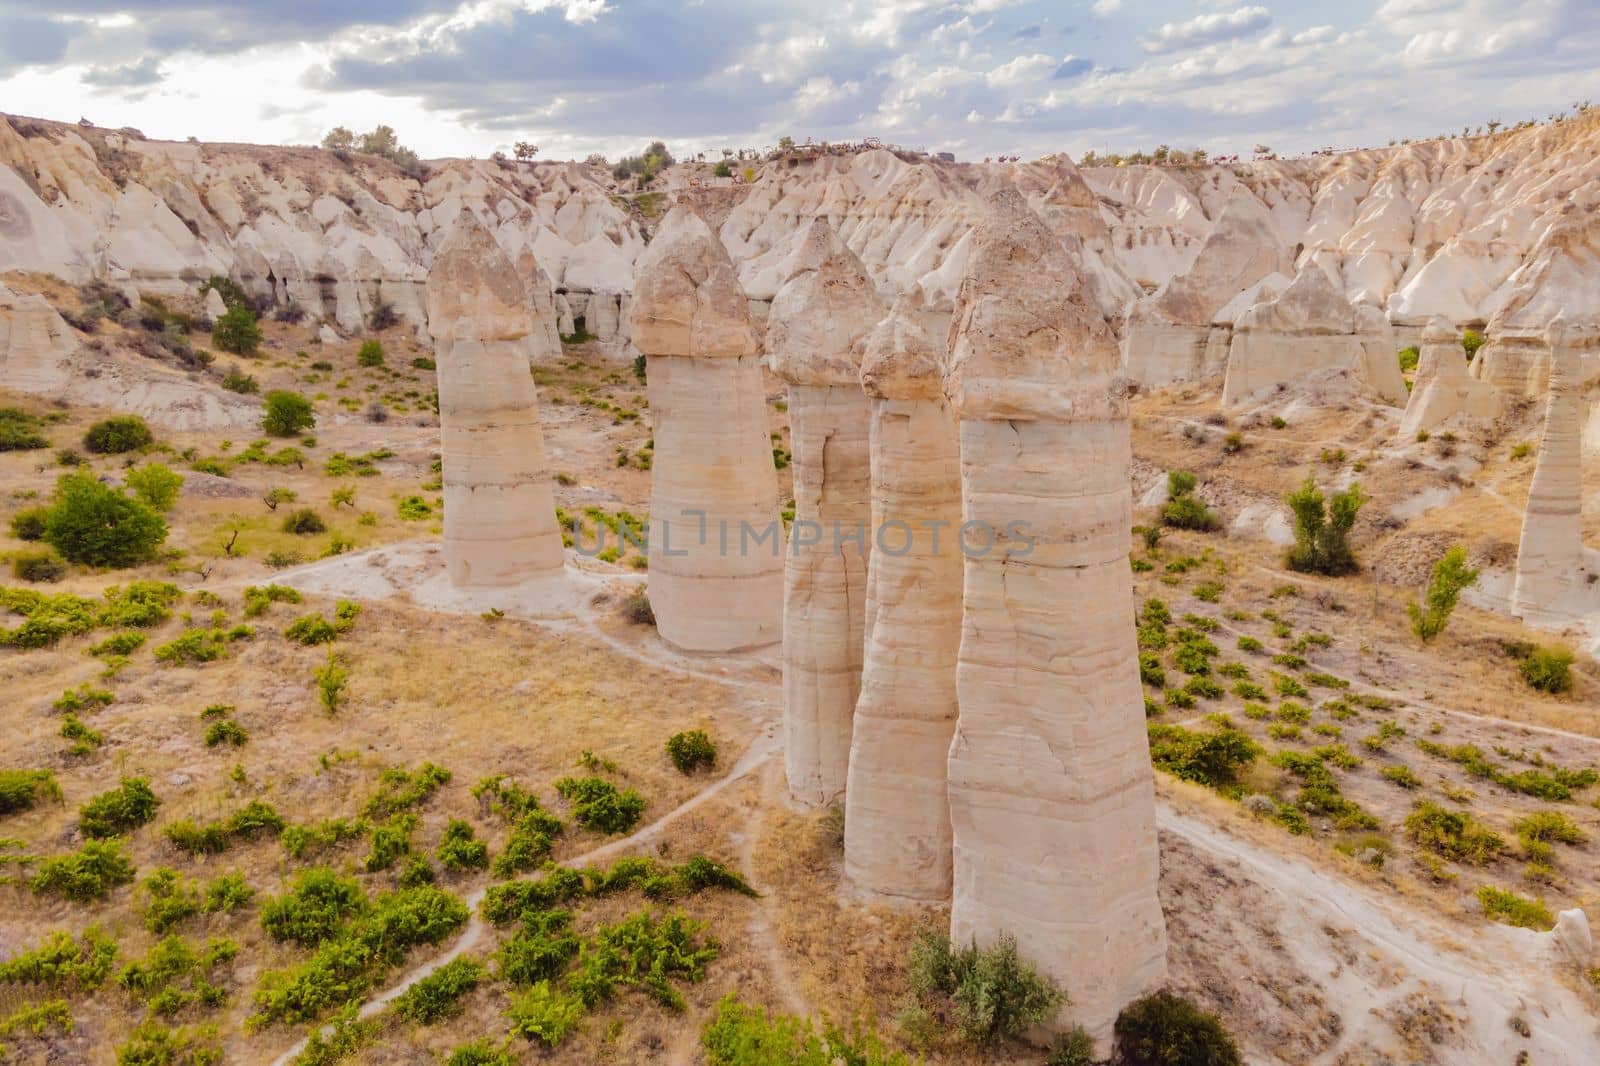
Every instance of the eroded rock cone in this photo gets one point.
(716, 539)
(499, 512)
(1052, 802)
(1551, 575)
(1443, 388)
(820, 314)
(897, 812)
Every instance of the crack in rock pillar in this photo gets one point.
(1052, 799)
(716, 537)
(897, 809)
(1550, 560)
(823, 309)
(499, 509)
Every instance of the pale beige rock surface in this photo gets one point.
(716, 539)
(35, 344)
(1444, 388)
(1552, 578)
(499, 511)
(897, 815)
(820, 315)
(1052, 802)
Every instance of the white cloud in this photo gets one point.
(1107, 7)
(817, 93)
(1207, 29)
(1021, 70)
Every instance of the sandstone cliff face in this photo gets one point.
(1552, 578)
(1052, 803)
(1310, 328)
(499, 510)
(716, 539)
(818, 319)
(897, 814)
(35, 344)
(1444, 389)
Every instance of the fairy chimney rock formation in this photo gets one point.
(1443, 388)
(499, 513)
(897, 813)
(1052, 801)
(819, 315)
(1310, 327)
(1551, 574)
(716, 539)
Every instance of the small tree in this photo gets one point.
(526, 150)
(1451, 575)
(286, 414)
(237, 331)
(96, 525)
(117, 435)
(339, 139)
(331, 679)
(1322, 529)
(1548, 669)
(156, 485)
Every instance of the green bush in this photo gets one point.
(257, 598)
(226, 732)
(1453, 834)
(415, 509)
(598, 804)
(544, 1013)
(538, 951)
(122, 810)
(95, 525)
(738, 1035)
(42, 566)
(62, 963)
(1548, 669)
(315, 909)
(304, 522)
(237, 331)
(1211, 759)
(988, 994)
(226, 894)
(1409, 358)
(390, 841)
(459, 850)
(1451, 575)
(1183, 509)
(28, 523)
(236, 380)
(90, 873)
(422, 362)
(692, 750)
(1512, 909)
(286, 414)
(155, 485)
(125, 433)
(1322, 529)
(438, 995)
(370, 353)
(19, 431)
(1164, 1029)
(312, 629)
(1471, 341)
(399, 790)
(22, 790)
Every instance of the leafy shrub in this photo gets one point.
(540, 950)
(1183, 509)
(422, 362)
(415, 509)
(1548, 669)
(286, 414)
(193, 646)
(62, 963)
(237, 331)
(458, 850)
(90, 873)
(96, 525)
(258, 598)
(312, 629)
(1512, 909)
(22, 790)
(1545, 826)
(636, 608)
(988, 994)
(738, 1035)
(41, 566)
(1211, 759)
(399, 790)
(1322, 529)
(19, 431)
(1471, 341)
(236, 380)
(1451, 575)
(1164, 1029)
(315, 909)
(122, 810)
(544, 1013)
(370, 353)
(304, 522)
(692, 750)
(597, 804)
(390, 841)
(301, 841)
(155, 485)
(226, 894)
(113, 436)
(28, 524)
(1402, 775)
(331, 678)
(438, 995)
(226, 732)
(1453, 834)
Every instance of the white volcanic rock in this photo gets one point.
(1573, 936)
(215, 308)
(1052, 803)
(716, 539)
(499, 511)
(1443, 388)
(819, 316)
(35, 345)
(1310, 327)
(897, 814)
(1552, 578)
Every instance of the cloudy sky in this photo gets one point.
(977, 77)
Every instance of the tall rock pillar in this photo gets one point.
(1052, 801)
(1551, 574)
(897, 811)
(822, 310)
(716, 538)
(499, 512)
